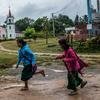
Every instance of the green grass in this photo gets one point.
(7, 59)
(45, 61)
(39, 46)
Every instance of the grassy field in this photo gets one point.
(7, 59)
(38, 46)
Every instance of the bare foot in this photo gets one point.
(24, 89)
(43, 73)
(83, 84)
(74, 92)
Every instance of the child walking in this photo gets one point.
(72, 63)
(28, 59)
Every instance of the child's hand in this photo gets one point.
(56, 58)
(64, 60)
(16, 66)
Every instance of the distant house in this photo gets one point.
(2, 32)
(18, 33)
(79, 32)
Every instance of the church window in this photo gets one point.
(10, 35)
(9, 27)
(3, 35)
(9, 20)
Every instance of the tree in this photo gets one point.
(30, 33)
(45, 26)
(38, 24)
(60, 23)
(22, 24)
(65, 20)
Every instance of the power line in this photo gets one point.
(73, 5)
(65, 7)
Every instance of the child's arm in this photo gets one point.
(61, 56)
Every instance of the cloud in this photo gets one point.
(34, 11)
(2, 19)
(39, 8)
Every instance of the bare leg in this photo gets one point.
(25, 87)
(40, 72)
(26, 84)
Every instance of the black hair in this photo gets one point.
(64, 44)
(21, 41)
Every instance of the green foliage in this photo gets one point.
(45, 24)
(30, 33)
(91, 45)
(7, 60)
(38, 25)
(60, 22)
(22, 24)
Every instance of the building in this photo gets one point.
(83, 31)
(96, 22)
(79, 32)
(2, 33)
(8, 31)
(94, 18)
(10, 26)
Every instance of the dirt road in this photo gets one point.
(52, 87)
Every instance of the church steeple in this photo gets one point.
(10, 18)
(9, 15)
(10, 26)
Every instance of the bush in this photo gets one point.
(91, 45)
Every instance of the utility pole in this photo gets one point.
(53, 24)
(89, 9)
(45, 25)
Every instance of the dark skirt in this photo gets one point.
(73, 80)
(27, 72)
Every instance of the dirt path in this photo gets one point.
(52, 87)
(46, 54)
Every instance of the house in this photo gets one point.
(2, 33)
(78, 33)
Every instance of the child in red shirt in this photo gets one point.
(72, 63)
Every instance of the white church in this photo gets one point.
(8, 31)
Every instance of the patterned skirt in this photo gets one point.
(73, 80)
(28, 71)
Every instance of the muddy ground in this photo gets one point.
(51, 87)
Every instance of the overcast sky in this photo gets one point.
(39, 8)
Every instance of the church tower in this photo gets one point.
(10, 26)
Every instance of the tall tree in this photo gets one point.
(60, 23)
(38, 24)
(22, 24)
